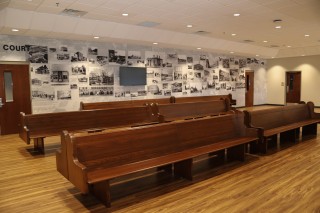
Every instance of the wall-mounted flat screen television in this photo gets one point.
(133, 76)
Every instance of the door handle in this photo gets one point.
(1, 104)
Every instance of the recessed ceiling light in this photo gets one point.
(236, 14)
(96, 37)
(189, 25)
(303, 55)
(14, 30)
(231, 52)
(257, 55)
(29, 0)
(198, 48)
(306, 35)
(155, 43)
(288, 46)
(265, 41)
(233, 34)
(272, 57)
(125, 14)
(278, 27)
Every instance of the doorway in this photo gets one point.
(14, 95)
(249, 87)
(293, 87)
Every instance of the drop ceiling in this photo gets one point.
(213, 23)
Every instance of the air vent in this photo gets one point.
(148, 24)
(274, 45)
(72, 12)
(201, 32)
(248, 41)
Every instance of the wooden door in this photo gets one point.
(14, 94)
(249, 88)
(293, 87)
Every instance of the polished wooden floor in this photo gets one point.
(285, 180)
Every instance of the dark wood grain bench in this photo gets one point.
(39, 126)
(122, 104)
(95, 159)
(204, 98)
(190, 110)
(285, 121)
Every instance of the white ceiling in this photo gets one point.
(104, 19)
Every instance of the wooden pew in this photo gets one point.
(95, 159)
(285, 121)
(122, 104)
(190, 110)
(204, 98)
(39, 126)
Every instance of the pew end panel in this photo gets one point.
(23, 130)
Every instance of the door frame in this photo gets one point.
(251, 86)
(29, 75)
(285, 84)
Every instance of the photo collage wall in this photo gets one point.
(62, 76)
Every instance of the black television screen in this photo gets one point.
(131, 76)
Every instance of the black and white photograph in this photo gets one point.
(215, 77)
(153, 89)
(63, 56)
(224, 75)
(52, 50)
(189, 60)
(41, 69)
(155, 61)
(101, 76)
(142, 93)
(73, 86)
(176, 87)
(182, 59)
(78, 69)
(167, 75)
(195, 87)
(95, 91)
(102, 60)
(189, 67)
(36, 82)
(177, 73)
(59, 77)
(165, 86)
(223, 85)
(234, 74)
(242, 63)
(59, 74)
(117, 56)
(92, 51)
(150, 73)
(64, 94)
(82, 80)
(135, 59)
(78, 56)
(211, 84)
(167, 93)
(198, 75)
(203, 57)
(226, 63)
(44, 94)
(63, 48)
(37, 54)
(240, 85)
(198, 67)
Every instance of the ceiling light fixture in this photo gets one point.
(265, 41)
(233, 34)
(96, 37)
(198, 48)
(125, 14)
(303, 55)
(236, 14)
(306, 35)
(231, 52)
(155, 43)
(189, 25)
(278, 27)
(15, 30)
(289, 46)
(257, 55)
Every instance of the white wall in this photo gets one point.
(51, 96)
(310, 78)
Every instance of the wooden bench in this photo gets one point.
(204, 98)
(39, 126)
(190, 110)
(95, 159)
(122, 104)
(285, 121)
